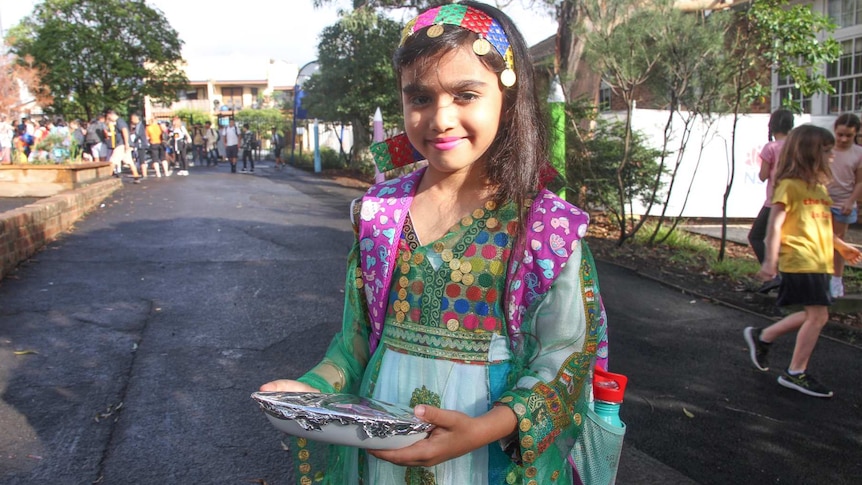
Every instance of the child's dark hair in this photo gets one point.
(849, 120)
(519, 150)
(781, 121)
(803, 155)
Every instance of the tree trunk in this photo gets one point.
(579, 81)
(361, 137)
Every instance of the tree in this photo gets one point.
(192, 116)
(17, 74)
(101, 53)
(261, 121)
(772, 36)
(622, 46)
(690, 46)
(356, 74)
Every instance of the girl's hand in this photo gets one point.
(850, 253)
(287, 385)
(456, 434)
(768, 271)
(847, 207)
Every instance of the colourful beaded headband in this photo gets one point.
(397, 151)
(490, 32)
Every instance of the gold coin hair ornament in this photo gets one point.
(491, 34)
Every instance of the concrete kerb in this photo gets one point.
(25, 230)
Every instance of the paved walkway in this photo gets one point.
(11, 203)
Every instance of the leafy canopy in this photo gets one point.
(100, 54)
(356, 75)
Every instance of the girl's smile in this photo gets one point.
(451, 109)
(446, 142)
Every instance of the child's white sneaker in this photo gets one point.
(836, 287)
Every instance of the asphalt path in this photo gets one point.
(129, 349)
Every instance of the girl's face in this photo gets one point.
(844, 137)
(451, 109)
(828, 154)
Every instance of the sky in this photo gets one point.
(269, 29)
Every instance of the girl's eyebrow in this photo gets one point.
(414, 88)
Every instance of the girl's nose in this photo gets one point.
(445, 116)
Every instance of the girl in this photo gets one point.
(780, 124)
(799, 240)
(845, 188)
(479, 304)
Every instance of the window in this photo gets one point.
(789, 95)
(231, 97)
(605, 96)
(845, 13)
(845, 76)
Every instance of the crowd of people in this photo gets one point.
(27, 136)
(159, 147)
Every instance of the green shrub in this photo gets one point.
(329, 160)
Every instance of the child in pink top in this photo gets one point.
(780, 124)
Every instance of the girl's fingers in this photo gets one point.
(286, 385)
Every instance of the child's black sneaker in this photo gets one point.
(757, 350)
(805, 384)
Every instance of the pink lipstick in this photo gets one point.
(446, 143)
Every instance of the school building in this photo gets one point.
(221, 87)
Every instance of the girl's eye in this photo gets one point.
(466, 96)
(419, 100)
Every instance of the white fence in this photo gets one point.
(708, 176)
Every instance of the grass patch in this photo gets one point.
(678, 239)
(735, 268)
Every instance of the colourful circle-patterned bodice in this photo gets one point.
(446, 296)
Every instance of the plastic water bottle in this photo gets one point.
(608, 390)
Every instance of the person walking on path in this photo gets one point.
(119, 143)
(140, 142)
(211, 137)
(277, 144)
(799, 243)
(442, 325)
(232, 143)
(780, 124)
(180, 141)
(845, 188)
(247, 145)
(157, 149)
(198, 143)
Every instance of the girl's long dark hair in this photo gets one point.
(781, 121)
(520, 148)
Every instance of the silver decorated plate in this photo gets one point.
(343, 419)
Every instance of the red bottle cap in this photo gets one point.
(608, 387)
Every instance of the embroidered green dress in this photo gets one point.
(444, 343)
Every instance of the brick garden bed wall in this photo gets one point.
(25, 230)
(30, 180)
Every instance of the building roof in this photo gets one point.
(544, 49)
(226, 70)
